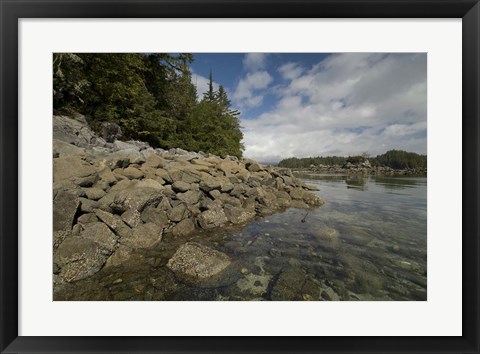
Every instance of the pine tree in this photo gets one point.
(210, 94)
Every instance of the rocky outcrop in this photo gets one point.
(112, 198)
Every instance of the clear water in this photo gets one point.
(368, 242)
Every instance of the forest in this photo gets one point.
(150, 96)
(396, 159)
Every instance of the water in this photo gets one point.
(368, 242)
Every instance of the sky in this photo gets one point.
(322, 104)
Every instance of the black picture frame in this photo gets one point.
(13, 10)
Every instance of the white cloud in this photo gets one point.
(201, 83)
(346, 104)
(290, 71)
(249, 89)
(255, 61)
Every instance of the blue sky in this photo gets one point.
(312, 104)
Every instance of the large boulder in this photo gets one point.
(123, 158)
(143, 236)
(101, 234)
(137, 198)
(155, 215)
(75, 130)
(71, 167)
(111, 132)
(65, 205)
(114, 222)
(212, 218)
(79, 258)
(238, 215)
(61, 148)
(193, 261)
(294, 285)
(184, 227)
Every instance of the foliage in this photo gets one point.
(396, 159)
(150, 96)
(400, 159)
(294, 162)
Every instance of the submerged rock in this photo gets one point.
(193, 261)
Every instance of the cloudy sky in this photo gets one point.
(323, 104)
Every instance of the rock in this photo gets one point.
(299, 204)
(185, 174)
(184, 227)
(229, 168)
(73, 131)
(61, 149)
(114, 222)
(148, 152)
(87, 218)
(89, 206)
(238, 190)
(238, 215)
(254, 167)
(123, 158)
(253, 284)
(121, 145)
(195, 262)
(163, 174)
(225, 198)
(59, 237)
(94, 193)
(101, 234)
(212, 218)
(65, 205)
(180, 186)
(86, 181)
(107, 176)
(227, 187)
(312, 199)
(155, 215)
(164, 204)
(143, 236)
(297, 193)
(190, 197)
(135, 198)
(132, 173)
(69, 167)
(79, 258)
(209, 183)
(121, 255)
(294, 285)
(111, 132)
(326, 233)
(155, 161)
(132, 218)
(141, 145)
(178, 213)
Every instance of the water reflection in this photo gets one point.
(356, 181)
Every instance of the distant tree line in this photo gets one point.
(396, 159)
(150, 96)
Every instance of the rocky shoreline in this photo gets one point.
(111, 198)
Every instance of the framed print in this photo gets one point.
(251, 177)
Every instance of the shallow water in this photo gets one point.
(368, 242)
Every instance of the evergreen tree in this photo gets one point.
(150, 96)
(210, 94)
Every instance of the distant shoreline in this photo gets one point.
(370, 171)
